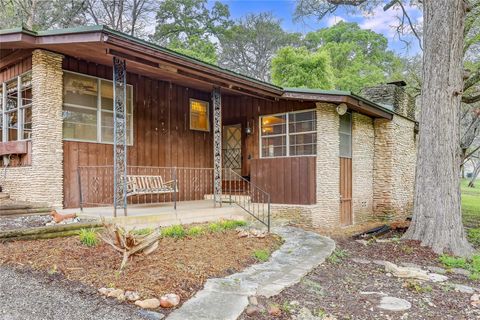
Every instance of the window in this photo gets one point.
(88, 109)
(345, 131)
(199, 115)
(16, 108)
(288, 134)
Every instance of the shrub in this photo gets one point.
(195, 231)
(175, 231)
(89, 237)
(261, 255)
(231, 224)
(214, 227)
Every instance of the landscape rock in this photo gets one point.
(364, 242)
(252, 310)
(475, 300)
(115, 293)
(274, 311)
(463, 288)
(169, 300)
(437, 270)
(412, 272)
(305, 314)
(105, 291)
(394, 304)
(461, 272)
(132, 296)
(148, 303)
(253, 300)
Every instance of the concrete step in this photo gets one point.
(181, 217)
(23, 211)
(4, 196)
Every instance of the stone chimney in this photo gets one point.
(393, 96)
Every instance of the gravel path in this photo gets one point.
(25, 295)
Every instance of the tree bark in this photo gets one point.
(437, 217)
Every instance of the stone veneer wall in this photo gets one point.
(363, 142)
(42, 182)
(392, 95)
(394, 167)
(327, 211)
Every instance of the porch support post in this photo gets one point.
(119, 135)
(217, 146)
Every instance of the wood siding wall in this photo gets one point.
(289, 180)
(162, 136)
(16, 69)
(346, 214)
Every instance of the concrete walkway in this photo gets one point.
(226, 298)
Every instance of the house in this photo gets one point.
(320, 157)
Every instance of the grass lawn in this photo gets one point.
(471, 205)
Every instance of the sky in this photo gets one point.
(378, 21)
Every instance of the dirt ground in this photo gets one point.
(351, 286)
(178, 266)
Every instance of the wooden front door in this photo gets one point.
(232, 147)
(346, 218)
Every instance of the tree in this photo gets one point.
(129, 16)
(249, 45)
(298, 67)
(437, 217)
(41, 15)
(189, 26)
(360, 58)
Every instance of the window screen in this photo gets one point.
(345, 132)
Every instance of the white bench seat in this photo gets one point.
(139, 185)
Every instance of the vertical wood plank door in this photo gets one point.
(346, 217)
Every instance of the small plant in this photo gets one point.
(286, 307)
(142, 232)
(417, 287)
(53, 269)
(89, 237)
(474, 276)
(337, 256)
(261, 255)
(175, 231)
(474, 236)
(214, 227)
(407, 249)
(231, 224)
(453, 262)
(195, 231)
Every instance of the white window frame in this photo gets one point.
(287, 133)
(20, 109)
(99, 110)
(349, 133)
(190, 114)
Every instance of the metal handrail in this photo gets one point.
(247, 204)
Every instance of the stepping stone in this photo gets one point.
(437, 270)
(461, 272)
(394, 304)
(463, 288)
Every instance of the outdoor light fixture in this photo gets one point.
(248, 130)
(342, 109)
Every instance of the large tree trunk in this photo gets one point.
(437, 218)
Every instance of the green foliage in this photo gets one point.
(249, 45)
(337, 256)
(417, 287)
(187, 26)
(195, 231)
(89, 237)
(452, 262)
(300, 68)
(359, 58)
(231, 224)
(261, 255)
(175, 231)
(142, 232)
(214, 227)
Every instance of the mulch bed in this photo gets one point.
(334, 288)
(179, 266)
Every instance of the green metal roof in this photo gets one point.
(102, 28)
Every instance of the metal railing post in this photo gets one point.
(80, 189)
(268, 226)
(176, 188)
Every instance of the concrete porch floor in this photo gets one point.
(163, 214)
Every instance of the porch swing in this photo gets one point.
(143, 184)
